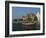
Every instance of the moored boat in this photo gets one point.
(27, 23)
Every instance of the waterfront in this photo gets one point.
(25, 18)
(21, 27)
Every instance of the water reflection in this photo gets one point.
(21, 27)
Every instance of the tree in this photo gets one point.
(29, 19)
(35, 18)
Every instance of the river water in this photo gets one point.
(21, 27)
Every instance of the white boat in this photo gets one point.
(27, 23)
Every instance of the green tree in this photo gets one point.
(35, 18)
(29, 19)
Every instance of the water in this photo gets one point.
(20, 27)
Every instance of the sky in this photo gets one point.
(23, 11)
